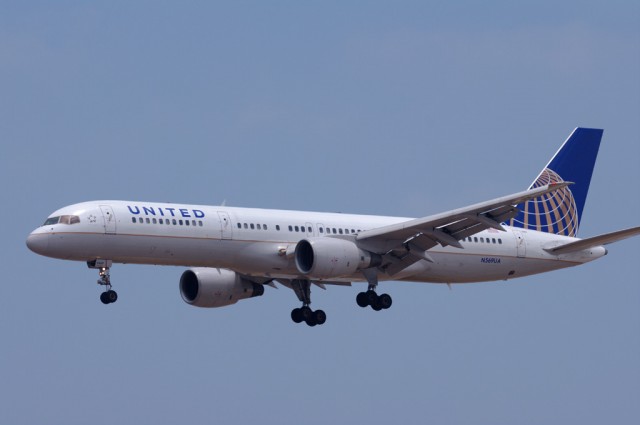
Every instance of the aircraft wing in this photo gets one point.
(403, 244)
(605, 239)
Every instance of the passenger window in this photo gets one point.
(186, 222)
(475, 239)
(321, 230)
(334, 231)
(180, 221)
(277, 227)
(133, 219)
(200, 223)
(499, 241)
(148, 221)
(493, 240)
(160, 221)
(264, 227)
(252, 226)
(174, 221)
(340, 231)
(193, 222)
(239, 226)
(258, 225)
(290, 228)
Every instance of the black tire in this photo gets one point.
(112, 296)
(362, 300)
(319, 317)
(296, 315)
(385, 301)
(376, 305)
(307, 313)
(372, 297)
(311, 321)
(103, 298)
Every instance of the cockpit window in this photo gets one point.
(69, 219)
(64, 219)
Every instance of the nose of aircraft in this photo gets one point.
(38, 242)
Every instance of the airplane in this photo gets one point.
(233, 253)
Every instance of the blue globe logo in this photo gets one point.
(554, 212)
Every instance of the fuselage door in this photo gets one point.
(226, 230)
(521, 246)
(109, 219)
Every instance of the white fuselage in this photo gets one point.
(260, 242)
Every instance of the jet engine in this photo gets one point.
(205, 287)
(326, 258)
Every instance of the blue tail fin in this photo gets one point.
(560, 212)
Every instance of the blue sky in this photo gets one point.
(393, 108)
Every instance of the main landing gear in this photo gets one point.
(371, 298)
(302, 288)
(109, 295)
(310, 317)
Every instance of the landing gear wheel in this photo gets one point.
(296, 315)
(372, 297)
(307, 313)
(377, 305)
(320, 317)
(109, 297)
(385, 301)
(362, 300)
(112, 296)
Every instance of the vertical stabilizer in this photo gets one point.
(560, 212)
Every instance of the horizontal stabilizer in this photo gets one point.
(605, 239)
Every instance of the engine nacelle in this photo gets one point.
(326, 258)
(205, 287)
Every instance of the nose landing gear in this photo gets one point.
(109, 295)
